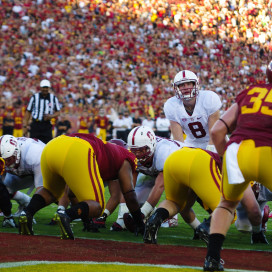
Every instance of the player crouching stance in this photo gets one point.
(82, 162)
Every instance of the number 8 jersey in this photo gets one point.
(195, 126)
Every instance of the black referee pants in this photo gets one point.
(42, 131)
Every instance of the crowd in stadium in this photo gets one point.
(122, 55)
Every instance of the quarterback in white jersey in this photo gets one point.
(191, 111)
(22, 156)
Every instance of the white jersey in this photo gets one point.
(30, 161)
(163, 149)
(195, 126)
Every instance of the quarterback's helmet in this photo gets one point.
(183, 77)
(10, 150)
(142, 143)
(269, 72)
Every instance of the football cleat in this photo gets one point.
(63, 221)
(203, 230)
(9, 222)
(151, 229)
(265, 217)
(25, 223)
(52, 222)
(258, 238)
(213, 265)
(88, 225)
(117, 227)
(170, 222)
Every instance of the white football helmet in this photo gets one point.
(183, 77)
(10, 150)
(142, 143)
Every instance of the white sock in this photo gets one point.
(122, 209)
(61, 208)
(195, 223)
(146, 209)
(21, 198)
(107, 212)
(257, 229)
(120, 221)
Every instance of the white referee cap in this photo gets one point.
(45, 83)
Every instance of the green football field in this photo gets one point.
(180, 235)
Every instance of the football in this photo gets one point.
(269, 72)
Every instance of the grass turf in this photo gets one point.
(180, 235)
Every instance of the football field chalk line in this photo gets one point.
(33, 263)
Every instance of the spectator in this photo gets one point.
(63, 125)
(162, 126)
(43, 106)
(148, 122)
(128, 121)
(137, 121)
(121, 127)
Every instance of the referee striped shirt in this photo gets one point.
(39, 105)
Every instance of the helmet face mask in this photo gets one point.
(10, 151)
(186, 92)
(142, 143)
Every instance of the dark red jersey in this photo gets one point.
(109, 157)
(254, 116)
(102, 122)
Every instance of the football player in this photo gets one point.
(82, 162)
(191, 111)
(22, 166)
(246, 156)
(151, 152)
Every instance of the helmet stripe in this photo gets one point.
(183, 74)
(133, 136)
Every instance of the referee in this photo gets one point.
(42, 106)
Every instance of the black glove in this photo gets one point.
(139, 229)
(100, 222)
(88, 225)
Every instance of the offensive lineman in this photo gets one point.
(82, 162)
(22, 166)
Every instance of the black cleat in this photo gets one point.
(213, 265)
(63, 221)
(151, 229)
(203, 230)
(25, 223)
(258, 238)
